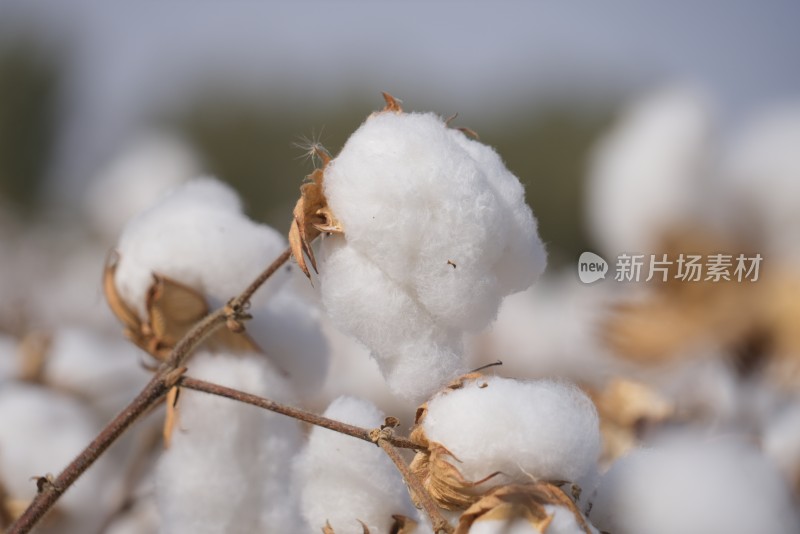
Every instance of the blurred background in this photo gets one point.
(636, 127)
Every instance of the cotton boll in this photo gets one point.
(342, 479)
(412, 199)
(693, 486)
(133, 181)
(414, 353)
(436, 233)
(645, 174)
(42, 432)
(197, 236)
(227, 469)
(288, 330)
(543, 429)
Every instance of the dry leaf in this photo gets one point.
(520, 502)
(328, 529)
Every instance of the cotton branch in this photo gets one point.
(167, 376)
(289, 411)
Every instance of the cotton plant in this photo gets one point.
(426, 232)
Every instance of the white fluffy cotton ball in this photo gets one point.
(540, 429)
(436, 233)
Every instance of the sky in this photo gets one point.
(125, 59)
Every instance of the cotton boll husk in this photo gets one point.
(543, 429)
(411, 199)
(41, 431)
(341, 479)
(107, 372)
(228, 467)
(760, 180)
(415, 354)
(694, 486)
(134, 180)
(197, 235)
(289, 331)
(644, 175)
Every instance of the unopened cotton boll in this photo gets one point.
(694, 487)
(540, 429)
(198, 236)
(436, 233)
(341, 479)
(228, 467)
(645, 173)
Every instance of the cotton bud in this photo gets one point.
(344, 482)
(432, 232)
(485, 431)
(694, 486)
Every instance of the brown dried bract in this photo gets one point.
(515, 502)
(312, 216)
(172, 310)
(402, 525)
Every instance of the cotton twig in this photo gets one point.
(289, 411)
(165, 378)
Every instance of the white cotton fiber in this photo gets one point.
(437, 232)
(289, 331)
(198, 236)
(228, 468)
(781, 441)
(694, 487)
(645, 173)
(341, 479)
(563, 522)
(540, 429)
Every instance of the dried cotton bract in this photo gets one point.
(436, 233)
(524, 430)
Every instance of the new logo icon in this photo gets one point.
(591, 267)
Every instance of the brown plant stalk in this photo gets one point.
(166, 377)
(383, 437)
(296, 413)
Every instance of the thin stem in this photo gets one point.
(289, 411)
(155, 390)
(50, 491)
(418, 492)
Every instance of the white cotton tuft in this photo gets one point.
(198, 236)
(540, 429)
(693, 486)
(152, 165)
(644, 174)
(781, 441)
(228, 468)
(437, 232)
(341, 479)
